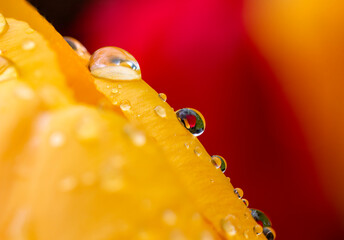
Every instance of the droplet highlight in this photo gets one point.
(28, 45)
(56, 139)
(269, 233)
(114, 63)
(219, 162)
(8, 70)
(239, 192)
(163, 96)
(192, 120)
(260, 217)
(78, 48)
(228, 226)
(257, 229)
(160, 111)
(125, 105)
(245, 201)
(198, 151)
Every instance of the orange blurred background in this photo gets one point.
(268, 78)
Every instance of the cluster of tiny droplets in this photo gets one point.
(190, 118)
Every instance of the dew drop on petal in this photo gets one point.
(269, 233)
(245, 201)
(114, 63)
(125, 105)
(192, 120)
(78, 48)
(28, 45)
(114, 90)
(160, 111)
(8, 70)
(163, 96)
(187, 145)
(260, 217)
(138, 137)
(219, 162)
(239, 192)
(198, 151)
(257, 229)
(228, 226)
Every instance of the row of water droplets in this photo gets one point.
(117, 64)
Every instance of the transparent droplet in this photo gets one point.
(3, 24)
(239, 192)
(187, 145)
(245, 201)
(8, 70)
(160, 111)
(56, 139)
(246, 233)
(78, 48)
(169, 217)
(260, 217)
(192, 120)
(198, 151)
(228, 226)
(219, 162)
(114, 63)
(68, 184)
(28, 45)
(257, 229)
(114, 90)
(137, 137)
(125, 105)
(269, 233)
(163, 96)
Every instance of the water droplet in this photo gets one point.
(7, 70)
(78, 48)
(114, 90)
(56, 139)
(160, 111)
(219, 162)
(228, 226)
(187, 145)
(28, 45)
(67, 184)
(24, 92)
(269, 233)
(239, 192)
(169, 217)
(137, 137)
(257, 229)
(114, 63)
(260, 217)
(3, 24)
(163, 96)
(198, 151)
(192, 120)
(246, 233)
(125, 105)
(245, 201)
(88, 178)
(212, 180)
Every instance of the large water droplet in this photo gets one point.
(7, 70)
(192, 120)
(125, 105)
(257, 229)
(160, 111)
(269, 233)
(239, 192)
(28, 45)
(227, 225)
(78, 48)
(219, 162)
(114, 63)
(163, 96)
(3, 24)
(260, 217)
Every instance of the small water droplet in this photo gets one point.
(67, 184)
(56, 139)
(239, 192)
(269, 233)
(29, 31)
(114, 90)
(169, 217)
(192, 120)
(260, 217)
(160, 111)
(187, 145)
(245, 201)
(88, 178)
(3, 24)
(228, 226)
(246, 233)
(114, 63)
(219, 162)
(163, 96)
(28, 45)
(198, 151)
(137, 137)
(7, 70)
(24, 92)
(125, 105)
(257, 229)
(78, 48)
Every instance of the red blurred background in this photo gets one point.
(204, 54)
